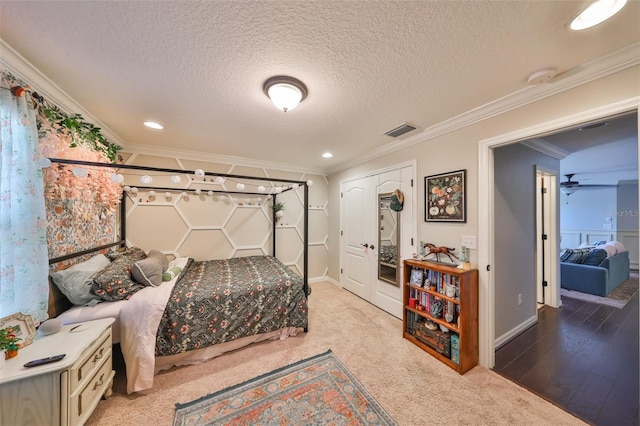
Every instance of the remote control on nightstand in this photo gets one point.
(42, 361)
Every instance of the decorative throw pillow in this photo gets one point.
(171, 273)
(609, 248)
(595, 257)
(149, 270)
(574, 255)
(134, 253)
(75, 282)
(618, 245)
(176, 267)
(114, 282)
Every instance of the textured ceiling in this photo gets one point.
(198, 67)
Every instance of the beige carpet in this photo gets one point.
(412, 386)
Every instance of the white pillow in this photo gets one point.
(609, 248)
(618, 245)
(75, 282)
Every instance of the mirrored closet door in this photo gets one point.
(388, 240)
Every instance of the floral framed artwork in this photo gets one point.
(22, 326)
(445, 197)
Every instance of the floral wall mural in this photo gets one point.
(81, 201)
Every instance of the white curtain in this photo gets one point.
(23, 243)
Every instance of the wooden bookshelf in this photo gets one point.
(427, 304)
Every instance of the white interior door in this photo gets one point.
(547, 256)
(358, 233)
(385, 295)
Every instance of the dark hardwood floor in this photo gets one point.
(582, 357)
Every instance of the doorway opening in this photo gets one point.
(488, 224)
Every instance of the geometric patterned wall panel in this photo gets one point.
(210, 225)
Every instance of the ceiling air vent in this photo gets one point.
(400, 130)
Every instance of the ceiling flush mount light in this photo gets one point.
(285, 92)
(327, 155)
(153, 125)
(599, 11)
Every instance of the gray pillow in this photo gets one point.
(75, 281)
(149, 271)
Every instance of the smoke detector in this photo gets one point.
(541, 76)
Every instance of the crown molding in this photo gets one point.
(218, 158)
(612, 63)
(601, 67)
(564, 122)
(546, 148)
(20, 67)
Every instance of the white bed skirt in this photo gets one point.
(204, 354)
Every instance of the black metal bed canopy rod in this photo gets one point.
(174, 171)
(225, 175)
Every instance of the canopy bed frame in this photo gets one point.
(290, 310)
(122, 216)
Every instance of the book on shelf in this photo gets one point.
(455, 348)
(416, 277)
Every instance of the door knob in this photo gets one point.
(372, 246)
(365, 245)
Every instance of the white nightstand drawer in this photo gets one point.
(87, 366)
(64, 392)
(83, 403)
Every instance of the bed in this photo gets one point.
(210, 308)
(200, 310)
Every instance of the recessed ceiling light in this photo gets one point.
(153, 125)
(599, 11)
(327, 155)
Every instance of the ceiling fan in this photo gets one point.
(569, 186)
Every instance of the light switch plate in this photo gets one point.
(469, 241)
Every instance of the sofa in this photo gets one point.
(594, 270)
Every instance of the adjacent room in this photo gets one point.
(306, 212)
(568, 352)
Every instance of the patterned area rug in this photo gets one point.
(318, 390)
(618, 298)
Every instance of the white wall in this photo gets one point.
(221, 226)
(458, 149)
(589, 209)
(596, 208)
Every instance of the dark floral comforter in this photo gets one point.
(217, 301)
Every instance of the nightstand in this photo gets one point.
(64, 392)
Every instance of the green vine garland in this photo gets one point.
(80, 131)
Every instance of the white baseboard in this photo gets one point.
(515, 331)
(325, 278)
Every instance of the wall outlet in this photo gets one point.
(519, 298)
(606, 226)
(469, 241)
